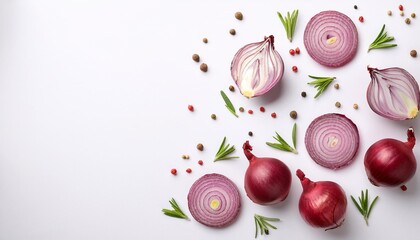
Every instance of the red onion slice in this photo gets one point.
(332, 140)
(214, 200)
(331, 38)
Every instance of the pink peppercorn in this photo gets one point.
(262, 109)
(250, 111)
(188, 170)
(173, 171)
(273, 115)
(191, 108)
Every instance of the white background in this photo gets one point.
(93, 115)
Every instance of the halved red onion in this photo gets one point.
(214, 200)
(257, 67)
(393, 93)
(331, 38)
(332, 140)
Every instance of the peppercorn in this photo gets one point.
(292, 52)
(297, 50)
(239, 16)
(250, 134)
(200, 147)
(407, 20)
(205, 40)
(203, 67)
(401, 13)
(191, 108)
(196, 57)
(356, 106)
(355, 7)
(241, 109)
(361, 19)
(250, 111)
(213, 116)
(400, 7)
(200, 162)
(336, 86)
(303, 94)
(413, 53)
(389, 13)
(262, 109)
(273, 115)
(232, 31)
(293, 114)
(338, 104)
(231, 88)
(294, 69)
(173, 171)
(413, 15)
(185, 156)
(188, 170)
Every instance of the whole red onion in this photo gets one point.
(390, 162)
(267, 180)
(322, 204)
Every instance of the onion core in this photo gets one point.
(331, 38)
(322, 204)
(214, 200)
(332, 140)
(267, 180)
(390, 162)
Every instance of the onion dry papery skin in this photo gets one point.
(332, 140)
(322, 204)
(267, 180)
(393, 93)
(390, 162)
(257, 67)
(331, 38)
(214, 200)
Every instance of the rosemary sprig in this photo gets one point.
(363, 204)
(289, 23)
(228, 103)
(320, 83)
(282, 144)
(176, 212)
(261, 223)
(381, 40)
(224, 151)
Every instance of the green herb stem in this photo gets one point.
(224, 152)
(262, 224)
(289, 23)
(229, 104)
(363, 205)
(176, 211)
(282, 145)
(381, 40)
(320, 83)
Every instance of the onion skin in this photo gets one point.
(214, 200)
(257, 67)
(331, 38)
(267, 180)
(322, 204)
(393, 93)
(390, 162)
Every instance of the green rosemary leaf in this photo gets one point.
(262, 224)
(294, 136)
(381, 40)
(363, 205)
(176, 212)
(289, 23)
(224, 151)
(320, 83)
(228, 103)
(282, 144)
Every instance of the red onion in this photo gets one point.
(332, 140)
(390, 162)
(214, 200)
(393, 93)
(257, 67)
(322, 204)
(267, 180)
(331, 39)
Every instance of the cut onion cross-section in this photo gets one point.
(332, 140)
(331, 38)
(214, 200)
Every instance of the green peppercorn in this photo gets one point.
(213, 116)
(356, 106)
(407, 20)
(293, 114)
(338, 104)
(336, 86)
(413, 15)
(241, 109)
